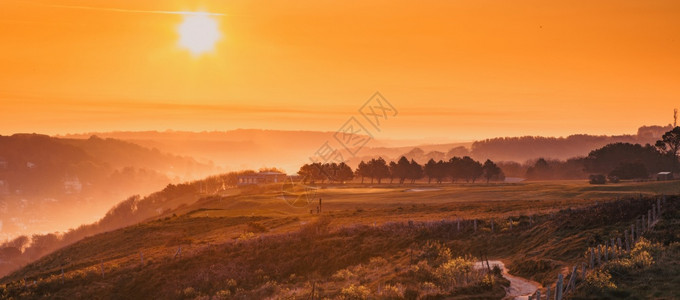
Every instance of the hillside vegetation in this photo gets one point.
(253, 245)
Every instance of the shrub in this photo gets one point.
(377, 262)
(598, 281)
(619, 267)
(645, 245)
(642, 259)
(223, 294)
(429, 287)
(391, 292)
(453, 271)
(435, 253)
(246, 236)
(189, 292)
(355, 292)
(496, 270)
(342, 275)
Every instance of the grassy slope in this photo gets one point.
(207, 231)
(659, 280)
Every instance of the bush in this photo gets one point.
(642, 259)
(391, 292)
(599, 281)
(377, 262)
(355, 293)
(619, 267)
(246, 236)
(223, 294)
(453, 271)
(435, 253)
(645, 245)
(343, 275)
(597, 179)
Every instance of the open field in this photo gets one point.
(252, 244)
(366, 204)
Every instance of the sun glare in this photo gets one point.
(198, 33)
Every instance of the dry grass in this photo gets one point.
(254, 244)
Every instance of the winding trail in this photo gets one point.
(520, 288)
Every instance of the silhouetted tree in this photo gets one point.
(670, 144)
(630, 170)
(455, 168)
(393, 171)
(379, 169)
(363, 170)
(415, 171)
(607, 158)
(491, 170)
(472, 169)
(540, 170)
(402, 169)
(344, 173)
(440, 171)
(430, 170)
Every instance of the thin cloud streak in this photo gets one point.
(122, 10)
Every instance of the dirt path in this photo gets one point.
(520, 288)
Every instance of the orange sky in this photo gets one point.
(459, 70)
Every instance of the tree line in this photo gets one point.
(614, 161)
(403, 170)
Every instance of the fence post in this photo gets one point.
(583, 270)
(592, 257)
(572, 280)
(606, 251)
(649, 220)
(538, 294)
(599, 259)
(618, 241)
(664, 201)
(632, 236)
(558, 287)
(644, 228)
(547, 293)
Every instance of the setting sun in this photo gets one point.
(198, 33)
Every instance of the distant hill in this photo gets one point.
(525, 148)
(254, 148)
(519, 149)
(49, 183)
(235, 149)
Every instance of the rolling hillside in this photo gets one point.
(249, 242)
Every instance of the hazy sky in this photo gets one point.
(460, 70)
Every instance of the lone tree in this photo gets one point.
(670, 144)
